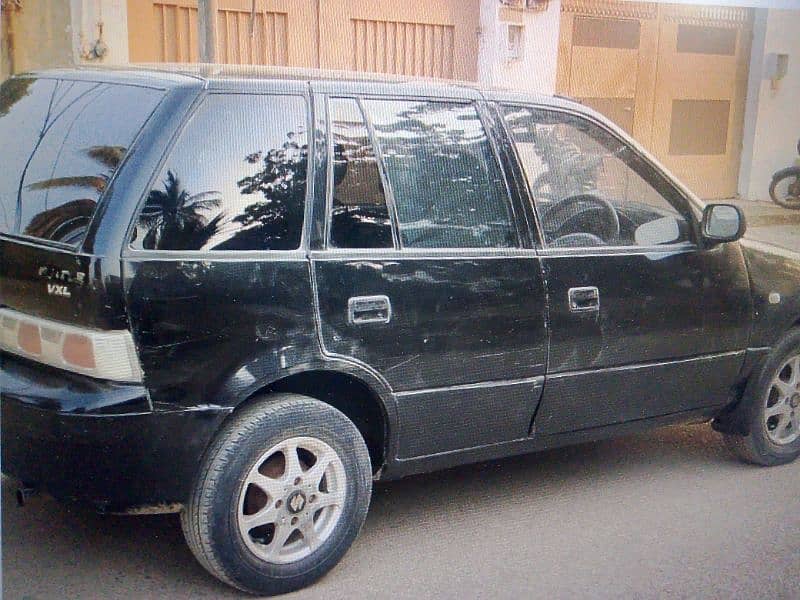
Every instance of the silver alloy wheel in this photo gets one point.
(291, 500)
(782, 411)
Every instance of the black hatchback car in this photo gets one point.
(242, 295)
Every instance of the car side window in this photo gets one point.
(445, 180)
(590, 187)
(359, 213)
(234, 180)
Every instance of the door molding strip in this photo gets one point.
(538, 380)
(647, 365)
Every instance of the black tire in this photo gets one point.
(209, 519)
(755, 446)
(792, 202)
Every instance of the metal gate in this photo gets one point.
(415, 37)
(674, 76)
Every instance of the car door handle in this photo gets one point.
(584, 299)
(369, 309)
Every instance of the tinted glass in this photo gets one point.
(590, 188)
(235, 179)
(69, 137)
(446, 182)
(360, 217)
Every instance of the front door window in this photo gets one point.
(590, 187)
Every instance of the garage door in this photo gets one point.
(414, 37)
(673, 76)
(166, 31)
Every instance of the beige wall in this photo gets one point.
(40, 33)
(5, 62)
(773, 116)
(536, 71)
(86, 14)
(434, 38)
(50, 33)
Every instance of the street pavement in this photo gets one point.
(768, 222)
(666, 514)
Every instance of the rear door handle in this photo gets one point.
(584, 299)
(369, 309)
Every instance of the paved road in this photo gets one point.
(767, 222)
(668, 514)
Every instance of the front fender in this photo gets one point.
(775, 284)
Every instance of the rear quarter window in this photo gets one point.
(68, 138)
(234, 180)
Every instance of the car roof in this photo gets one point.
(233, 77)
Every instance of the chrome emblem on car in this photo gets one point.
(296, 502)
(61, 275)
(58, 290)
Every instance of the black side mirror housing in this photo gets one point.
(722, 223)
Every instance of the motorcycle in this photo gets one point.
(785, 187)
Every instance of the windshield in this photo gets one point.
(62, 142)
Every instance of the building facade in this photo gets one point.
(712, 90)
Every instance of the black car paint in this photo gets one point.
(435, 298)
(657, 307)
(772, 270)
(97, 442)
(212, 330)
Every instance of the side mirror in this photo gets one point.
(723, 223)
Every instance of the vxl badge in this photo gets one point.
(55, 289)
(60, 278)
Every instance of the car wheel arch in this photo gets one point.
(361, 396)
(730, 419)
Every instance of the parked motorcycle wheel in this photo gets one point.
(785, 189)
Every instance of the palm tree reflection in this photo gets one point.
(176, 219)
(68, 222)
(12, 91)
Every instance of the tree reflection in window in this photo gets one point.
(447, 185)
(360, 217)
(67, 222)
(243, 191)
(69, 138)
(12, 91)
(174, 218)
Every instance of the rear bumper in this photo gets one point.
(96, 442)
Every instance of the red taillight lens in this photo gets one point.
(29, 339)
(78, 350)
(107, 354)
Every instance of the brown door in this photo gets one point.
(673, 76)
(413, 37)
(700, 95)
(607, 57)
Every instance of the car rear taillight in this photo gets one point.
(102, 354)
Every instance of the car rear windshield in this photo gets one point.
(62, 141)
